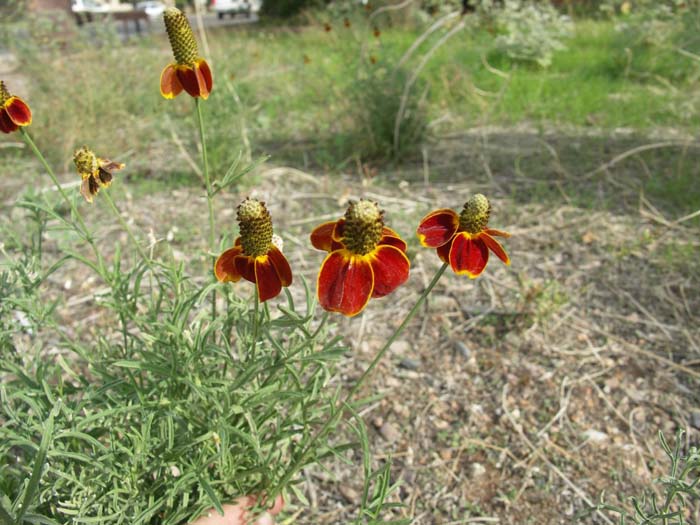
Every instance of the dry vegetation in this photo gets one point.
(515, 398)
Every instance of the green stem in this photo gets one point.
(207, 179)
(71, 204)
(334, 418)
(32, 145)
(256, 315)
(126, 228)
(210, 202)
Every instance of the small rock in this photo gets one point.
(400, 347)
(389, 432)
(595, 436)
(695, 418)
(462, 349)
(409, 364)
(350, 494)
(476, 470)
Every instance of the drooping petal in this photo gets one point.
(245, 266)
(89, 188)
(110, 165)
(339, 230)
(225, 268)
(6, 124)
(104, 177)
(279, 261)
(322, 236)
(170, 85)
(468, 255)
(390, 267)
(203, 70)
(388, 231)
(266, 278)
(192, 81)
(496, 233)
(493, 245)
(345, 283)
(444, 252)
(437, 228)
(391, 240)
(18, 111)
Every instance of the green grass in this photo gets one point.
(302, 93)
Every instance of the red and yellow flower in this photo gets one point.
(254, 255)
(95, 172)
(365, 260)
(14, 112)
(463, 240)
(189, 71)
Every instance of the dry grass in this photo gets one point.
(514, 398)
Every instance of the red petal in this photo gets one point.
(6, 124)
(497, 233)
(170, 86)
(225, 268)
(391, 240)
(468, 256)
(437, 228)
(444, 252)
(339, 230)
(18, 111)
(495, 247)
(322, 236)
(245, 266)
(388, 231)
(204, 71)
(266, 278)
(190, 80)
(345, 283)
(390, 266)
(279, 261)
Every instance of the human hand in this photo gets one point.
(238, 513)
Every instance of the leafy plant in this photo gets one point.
(681, 491)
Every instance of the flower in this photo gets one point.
(256, 255)
(366, 259)
(189, 71)
(463, 240)
(14, 112)
(95, 172)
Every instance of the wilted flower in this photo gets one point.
(366, 259)
(14, 112)
(255, 255)
(189, 71)
(95, 172)
(463, 240)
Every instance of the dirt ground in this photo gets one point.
(518, 397)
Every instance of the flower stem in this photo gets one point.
(128, 231)
(256, 315)
(210, 203)
(205, 169)
(71, 204)
(330, 423)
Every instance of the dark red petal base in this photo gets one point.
(345, 283)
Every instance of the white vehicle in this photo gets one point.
(234, 7)
(153, 8)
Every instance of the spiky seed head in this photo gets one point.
(4, 93)
(181, 36)
(475, 215)
(86, 162)
(255, 225)
(364, 222)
